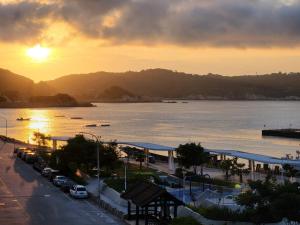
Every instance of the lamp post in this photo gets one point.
(126, 161)
(183, 182)
(98, 159)
(5, 124)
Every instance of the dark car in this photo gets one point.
(53, 174)
(65, 187)
(30, 158)
(25, 153)
(38, 166)
(151, 159)
(20, 152)
(16, 150)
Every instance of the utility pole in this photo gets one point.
(98, 159)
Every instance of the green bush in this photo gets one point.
(184, 221)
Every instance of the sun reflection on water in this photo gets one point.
(39, 122)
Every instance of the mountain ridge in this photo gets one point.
(163, 83)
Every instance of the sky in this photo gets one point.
(229, 37)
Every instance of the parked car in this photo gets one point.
(78, 191)
(38, 166)
(151, 159)
(20, 151)
(53, 174)
(24, 153)
(16, 150)
(30, 157)
(65, 187)
(59, 180)
(46, 171)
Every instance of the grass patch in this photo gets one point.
(134, 174)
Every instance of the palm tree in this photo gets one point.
(238, 169)
(226, 166)
(290, 170)
(140, 158)
(298, 154)
(40, 138)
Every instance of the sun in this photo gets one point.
(38, 53)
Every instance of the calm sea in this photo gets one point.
(216, 124)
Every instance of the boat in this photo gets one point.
(76, 118)
(91, 125)
(23, 119)
(170, 101)
(105, 125)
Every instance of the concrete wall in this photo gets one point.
(113, 195)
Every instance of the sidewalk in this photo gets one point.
(110, 199)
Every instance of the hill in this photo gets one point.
(14, 87)
(17, 91)
(161, 83)
(153, 85)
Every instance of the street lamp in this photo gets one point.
(98, 159)
(5, 124)
(183, 182)
(126, 161)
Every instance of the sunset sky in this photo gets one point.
(230, 37)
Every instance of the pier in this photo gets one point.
(287, 133)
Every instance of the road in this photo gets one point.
(27, 198)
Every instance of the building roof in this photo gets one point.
(255, 157)
(144, 193)
(150, 146)
(60, 138)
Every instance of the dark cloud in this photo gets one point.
(23, 20)
(247, 23)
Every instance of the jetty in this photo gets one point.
(287, 133)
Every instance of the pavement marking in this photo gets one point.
(47, 196)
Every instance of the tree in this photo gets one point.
(192, 155)
(290, 170)
(238, 169)
(269, 201)
(40, 138)
(226, 166)
(82, 153)
(140, 157)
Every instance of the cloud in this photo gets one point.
(234, 23)
(21, 21)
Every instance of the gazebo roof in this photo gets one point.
(143, 193)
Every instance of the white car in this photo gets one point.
(78, 191)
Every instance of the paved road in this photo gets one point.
(26, 198)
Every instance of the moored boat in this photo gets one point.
(23, 119)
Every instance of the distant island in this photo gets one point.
(152, 85)
(59, 100)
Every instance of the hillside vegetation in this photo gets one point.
(154, 85)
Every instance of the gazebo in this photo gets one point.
(152, 203)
